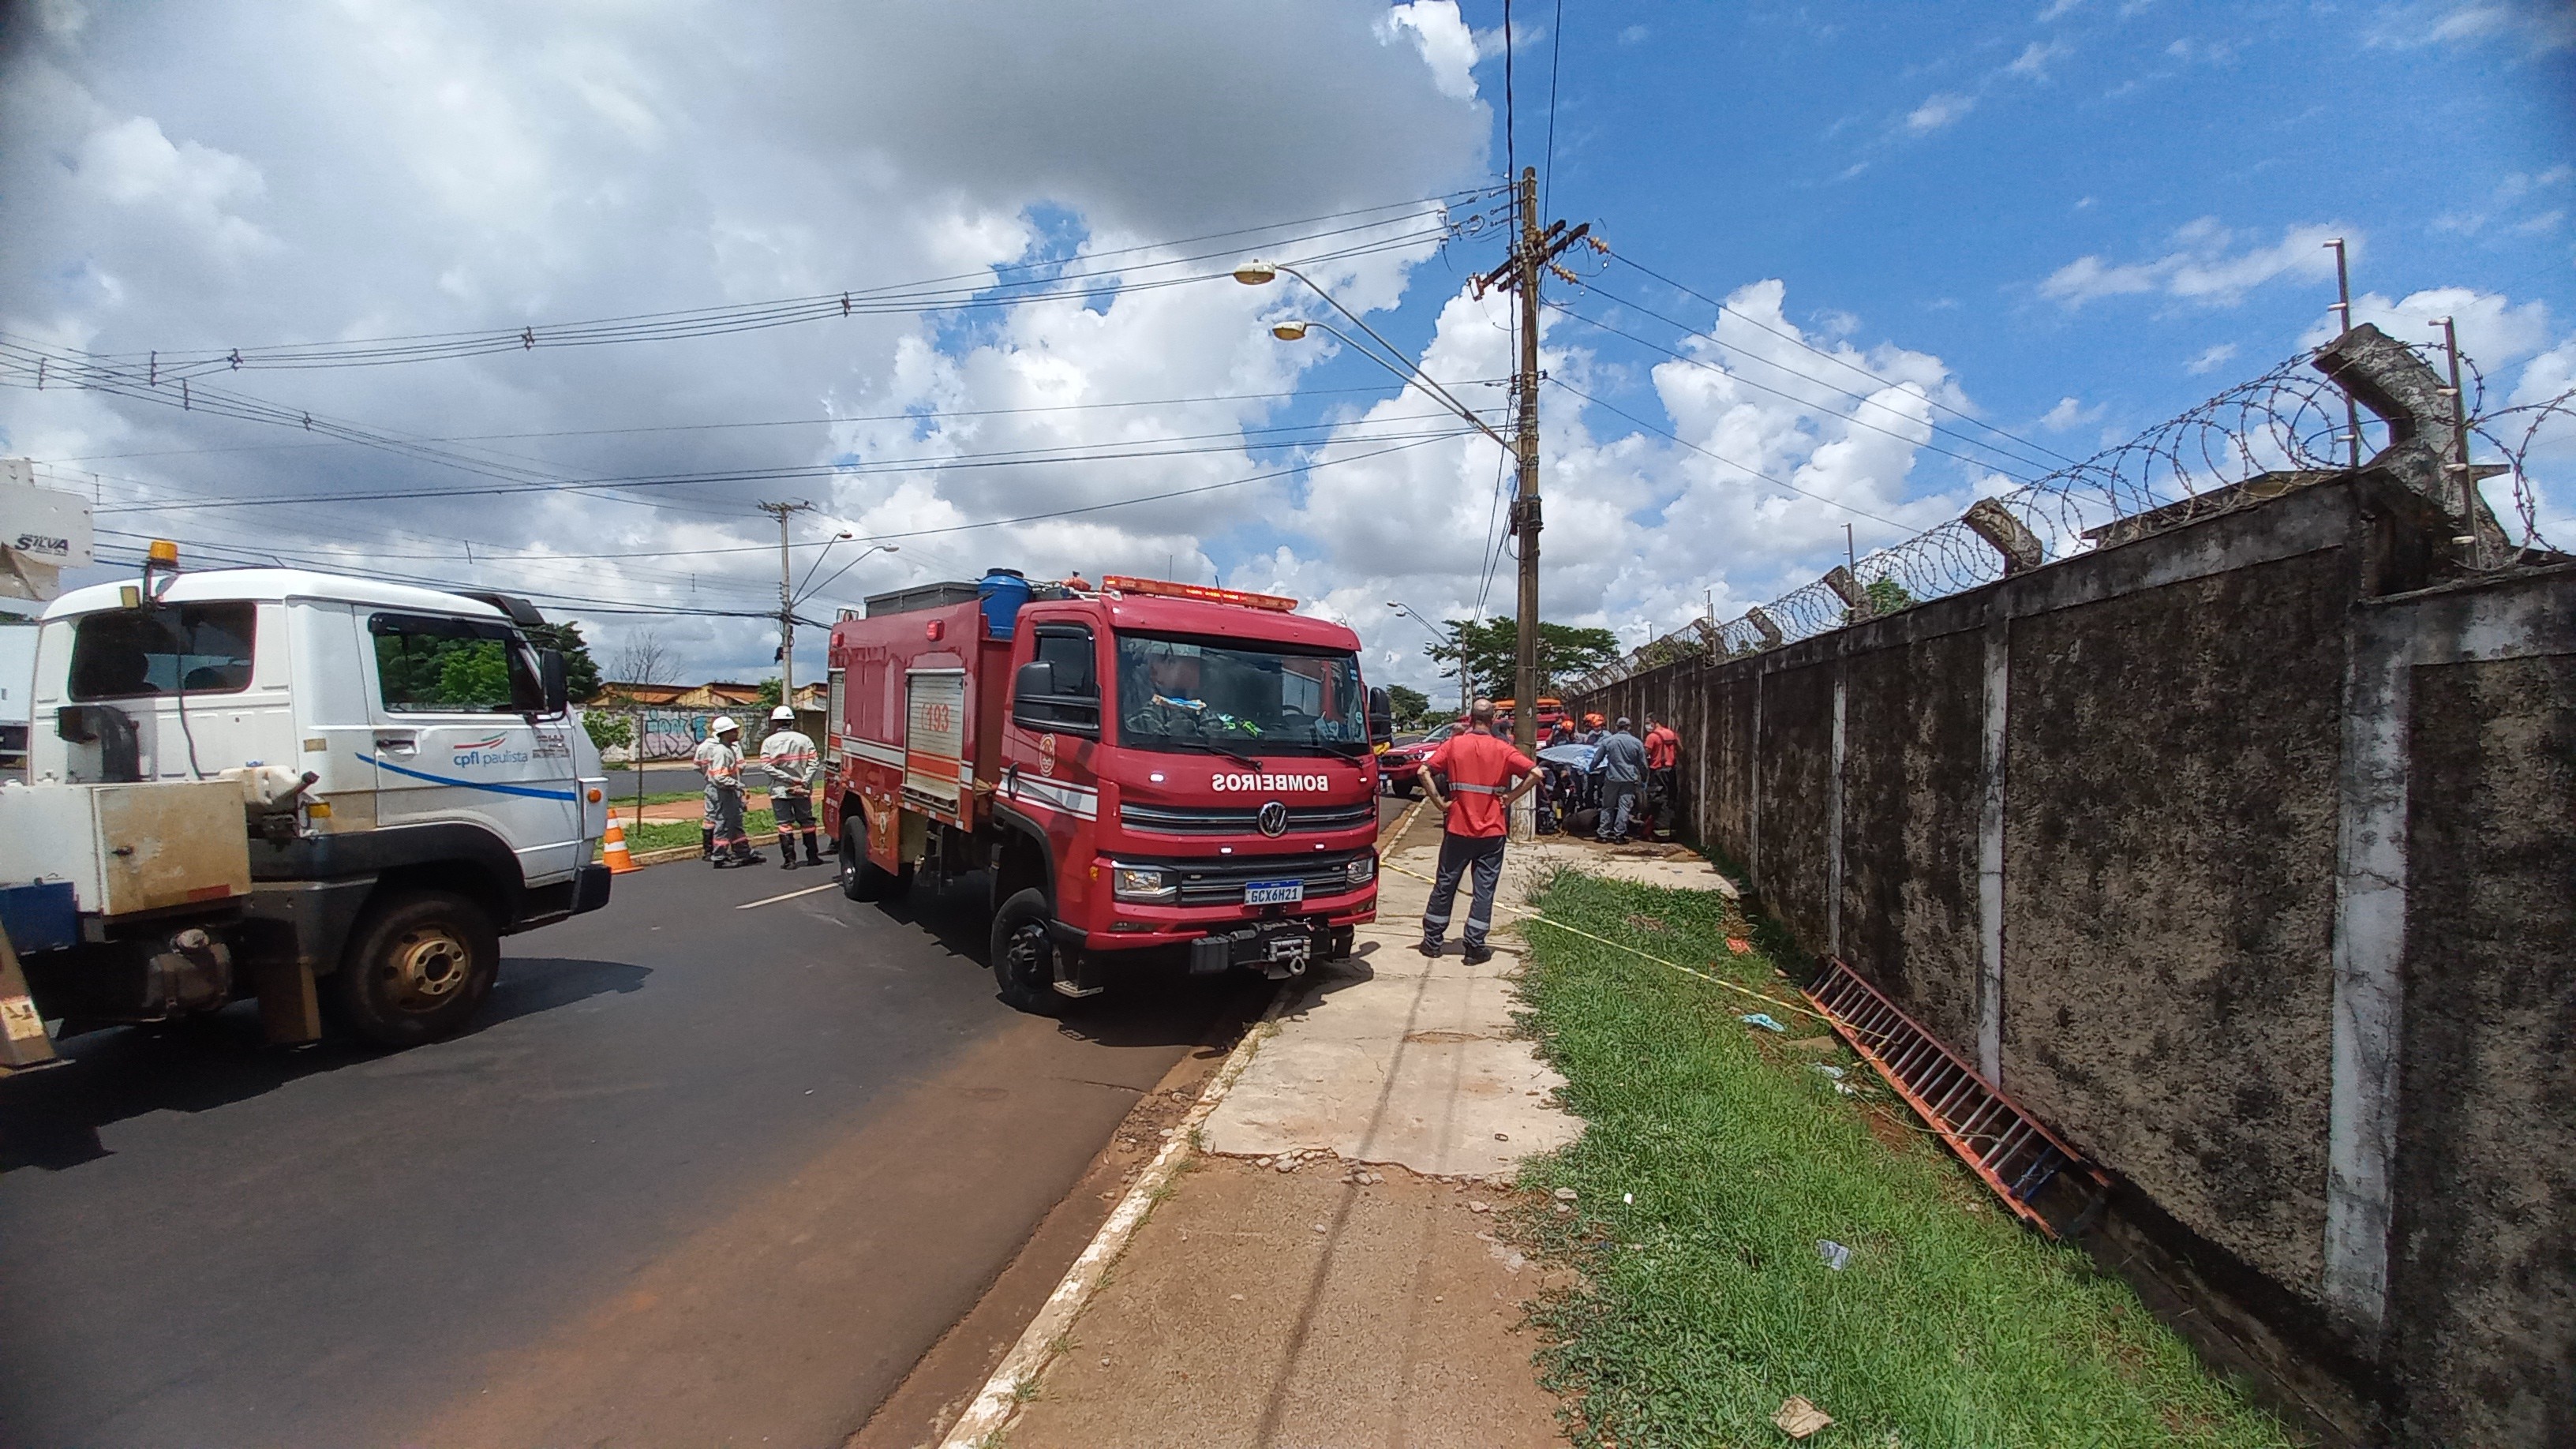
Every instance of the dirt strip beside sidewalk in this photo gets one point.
(1331, 1271)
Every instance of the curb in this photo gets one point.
(669, 853)
(1000, 1397)
(1028, 1358)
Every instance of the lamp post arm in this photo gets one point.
(1414, 378)
(1408, 370)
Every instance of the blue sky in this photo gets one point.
(2067, 221)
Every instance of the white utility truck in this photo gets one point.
(330, 794)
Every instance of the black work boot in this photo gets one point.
(1477, 953)
(813, 850)
(706, 844)
(786, 851)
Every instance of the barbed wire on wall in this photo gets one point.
(2257, 440)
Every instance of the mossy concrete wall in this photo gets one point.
(2191, 768)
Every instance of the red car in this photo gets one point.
(1399, 768)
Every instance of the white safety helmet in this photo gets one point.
(782, 715)
(721, 724)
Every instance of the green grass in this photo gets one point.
(1704, 1303)
(663, 834)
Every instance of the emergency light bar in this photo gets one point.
(1163, 589)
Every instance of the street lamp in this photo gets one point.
(1260, 273)
(1466, 695)
(845, 568)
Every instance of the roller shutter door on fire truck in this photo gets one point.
(934, 739)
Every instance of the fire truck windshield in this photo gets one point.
(1212, 694)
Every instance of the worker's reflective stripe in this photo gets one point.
(1458, 786)
(496, 789)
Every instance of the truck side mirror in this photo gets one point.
(1039, 702)
(550, 669)
(1381, 716)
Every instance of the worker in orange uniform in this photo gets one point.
(1663, 759)
(1483, 775)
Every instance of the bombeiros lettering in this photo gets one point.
(1268, 783)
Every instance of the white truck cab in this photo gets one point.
(411, 787)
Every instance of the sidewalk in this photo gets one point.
(1328, 1273)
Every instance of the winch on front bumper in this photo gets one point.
(1280, 948)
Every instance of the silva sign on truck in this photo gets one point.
(42, 532)
(1144, 765)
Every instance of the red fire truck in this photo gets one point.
(1147, 764)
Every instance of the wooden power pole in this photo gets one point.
(1534, 251)
(786, 605)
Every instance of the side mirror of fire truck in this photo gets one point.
(1038, 703)
(1381, 717)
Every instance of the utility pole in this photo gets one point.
(1535, 251)
(786, 604)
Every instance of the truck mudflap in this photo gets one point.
(295, 931)
(24, 1043)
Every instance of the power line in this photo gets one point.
(826, 421)
(1555, 59)
(1002, 459)
(1839, 361)
(1855, 421)
(1722, 458)
(1750, 355)
(900, 298)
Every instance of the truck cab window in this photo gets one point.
(176, 648)
(1076, 663)
(431, 665)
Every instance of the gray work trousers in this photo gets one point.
(1618, 799)
(1460, 854)
(726, 806)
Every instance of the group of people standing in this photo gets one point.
(1474, 776)
(789, 759)
(1631, 779)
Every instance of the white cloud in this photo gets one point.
(2057, 9)
(2207, 267)
(2491, 328)
(2211, 359)
(2541, 26)
(2033, 62)
(1938, 111)
(1446, 43)
(1632, 34)
(2069, 413)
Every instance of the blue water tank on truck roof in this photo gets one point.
(1003, 591)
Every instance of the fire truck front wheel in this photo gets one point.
(863, 879)
(1024, 954)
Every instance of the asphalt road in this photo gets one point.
(700, 1174)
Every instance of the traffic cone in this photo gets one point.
(613, 850)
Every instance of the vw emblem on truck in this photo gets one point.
(1273, 818)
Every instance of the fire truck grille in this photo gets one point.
(1191, 820)
(1220, 882)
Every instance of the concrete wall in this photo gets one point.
(2247, 861)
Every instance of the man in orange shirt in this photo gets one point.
(1663, 755)
(1474, 777)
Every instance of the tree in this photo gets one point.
(642, 659)
(769, 692)
(608, 731)
(1886, 596)
(1409, 704)
(1491, 649)
(581, 672)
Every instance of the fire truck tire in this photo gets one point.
(863, 879)
(1024, 954)
(419, 965)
